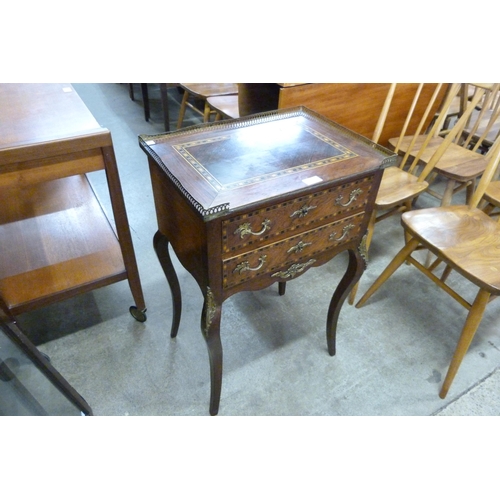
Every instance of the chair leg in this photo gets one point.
(469, 191)
(398, 260)
(182, 109)
(164, 106)
(446, 273)
(448, 193)
(469, 330)
(487, 208)
(206, 113)
(369, 234)
(145, 100)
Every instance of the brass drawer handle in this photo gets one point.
(345, 232)
(352, 197)
(245, 266)
(293, 270)
(302, 212)
(298, 247)
(245, 229)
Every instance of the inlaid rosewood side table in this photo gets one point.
(246, 203)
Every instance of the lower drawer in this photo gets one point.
(279, 256)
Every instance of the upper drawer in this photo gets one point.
(271, 223)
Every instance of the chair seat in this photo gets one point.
(397, 186)
(426, 155)
(457, 163)
(492, 193)
(204, 90)
(226, 106)
(201, 92)
(465, 238)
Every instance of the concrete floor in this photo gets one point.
(391, 358)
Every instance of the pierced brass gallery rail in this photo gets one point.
(245, 229)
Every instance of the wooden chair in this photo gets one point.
(491, 122)
(202, 91)
(224, 106)
(400, 186)
(463, 162)
(485, 122)
(491, 199)
(252, 98)
(467, 241)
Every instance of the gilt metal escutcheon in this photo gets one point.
(303, 211)
(298, 247)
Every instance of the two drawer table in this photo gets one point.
(249, 202)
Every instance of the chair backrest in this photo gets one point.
(483, 126)
(455, 133)
(488, 175)
(436, 126)
(433, 102)
(420, 103)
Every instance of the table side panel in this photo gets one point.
(46, 169)
(68, 146)
(182, 225)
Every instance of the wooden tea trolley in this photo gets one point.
(55, 239)
(246, 203)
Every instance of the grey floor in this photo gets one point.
(391, 358)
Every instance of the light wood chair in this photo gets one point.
(484, 123)
(491, 199)
(463, 162)
(252, 98)
(400, 186)
(202, 91)
(467, 241)
(224, 106)
(491, 122)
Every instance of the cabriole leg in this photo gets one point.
(353, 273)
(160, 243)
(210, 327)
